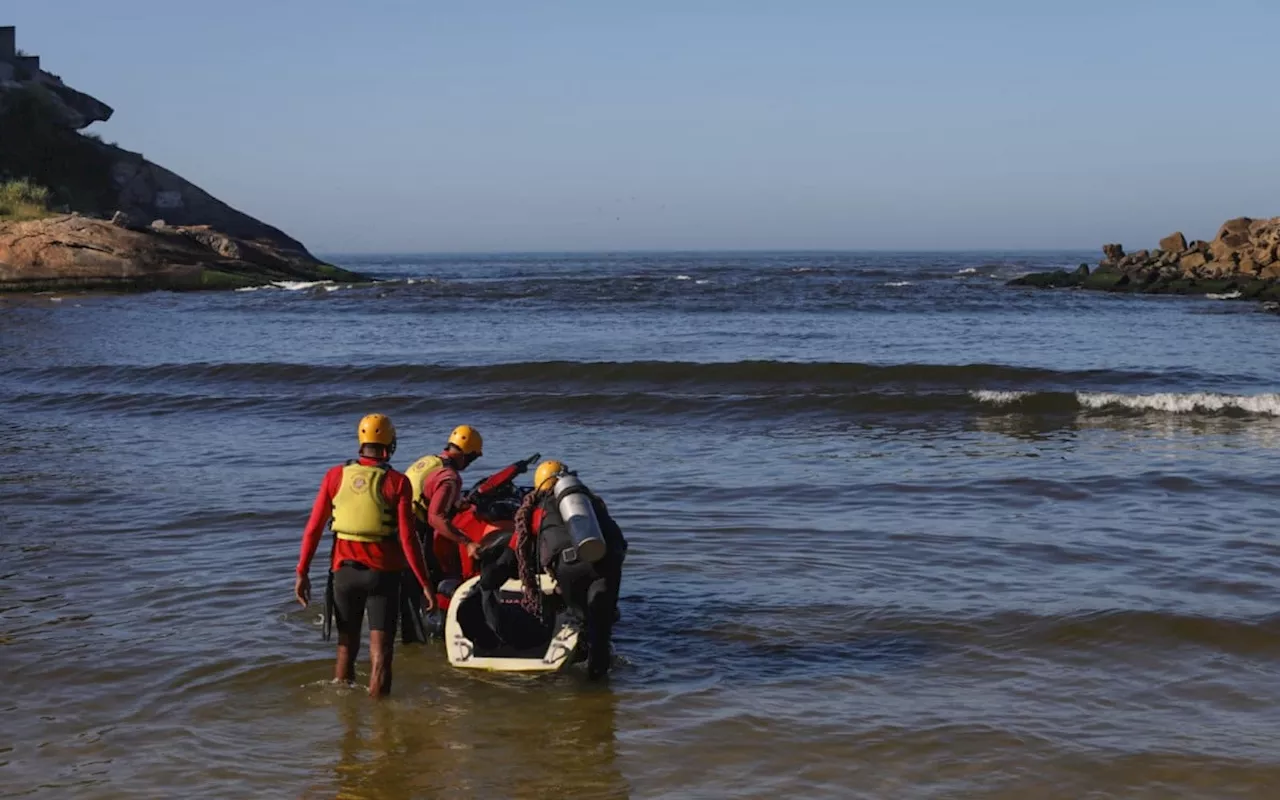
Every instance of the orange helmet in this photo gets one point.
(376, 429)
(468, 440)
(546, 475)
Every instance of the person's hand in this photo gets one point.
(428, 601)
(302, 589)
(472, 549)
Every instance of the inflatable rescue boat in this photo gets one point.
(526, 645)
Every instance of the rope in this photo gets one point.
(527, 553)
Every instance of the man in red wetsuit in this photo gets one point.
(437, 486)
(369, 507)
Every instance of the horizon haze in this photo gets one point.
(691, 126)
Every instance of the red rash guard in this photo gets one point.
(385, 556)
(443, 487)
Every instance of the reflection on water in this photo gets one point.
(486, 739)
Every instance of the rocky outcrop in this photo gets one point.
(147, 191)
(70, 251)
(1242, 259)
(111, 240)
(1244, 248)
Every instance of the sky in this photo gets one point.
(425, 126)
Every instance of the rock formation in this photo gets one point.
(1244, 248)
(40, 120)
(1242, 258)
(71, 251)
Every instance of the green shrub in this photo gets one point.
(22, 199)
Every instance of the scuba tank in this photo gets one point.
(580, 519)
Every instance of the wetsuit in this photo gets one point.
(366, 567)
(589, 590)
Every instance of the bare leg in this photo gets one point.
(344, 669)
(381, 649)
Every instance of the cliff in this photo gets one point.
(64, 171)
(1241, 261)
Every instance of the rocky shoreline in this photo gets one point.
(1241, 262)
(70, 251)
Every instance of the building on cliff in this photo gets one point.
(15, 64)
(21, 71)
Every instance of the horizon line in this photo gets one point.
(701, 251)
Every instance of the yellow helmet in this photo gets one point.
(468, 440)
(546, 474)
(376, 429)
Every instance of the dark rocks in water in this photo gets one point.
(1245, 255)
(1048, 280)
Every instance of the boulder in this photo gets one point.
(1112, 252)
(1192, 261)
(1174, 242)
(1264, 253)
(1247, 265)
(1234, 233)
(69, 251)
(1199, 244)
(1220, 250)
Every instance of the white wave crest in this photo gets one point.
(898, 283)
(296, 286)
(968, 271)
(1184, 403)
(702, 282)
(293, 286)
(683, 278)
(996, 397)
(1223, 296)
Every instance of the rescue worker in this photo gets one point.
(369, 506)
(542, 541)
(437, 486)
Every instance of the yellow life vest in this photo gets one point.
(417, 475)
(360, 513)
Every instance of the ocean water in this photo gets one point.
(897, 530)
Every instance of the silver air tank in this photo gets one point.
(580, 518)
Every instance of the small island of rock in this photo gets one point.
(1241, 261)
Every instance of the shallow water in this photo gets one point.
(897, 531)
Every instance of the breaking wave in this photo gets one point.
(1163, 402)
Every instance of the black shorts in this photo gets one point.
(356, 588)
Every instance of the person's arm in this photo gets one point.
(442, 502)
(409, 542)
(321, 510)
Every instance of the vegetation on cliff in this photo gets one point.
(23, 200)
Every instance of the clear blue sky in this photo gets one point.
(490, 126)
